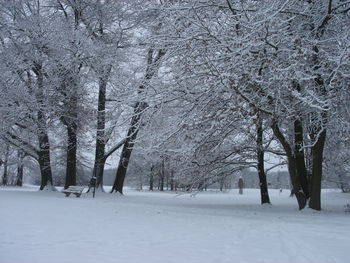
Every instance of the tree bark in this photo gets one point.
(152, 67)
(161, 183)
(20, 167)
(151, 180)
(98, 172)
(44, 154)
(70, 121)
(43, 137)
(172, 183)
(299, 150)
(265, 199)
(122, 168)
(300, 157)
(128, 147)
(162, 176)
(240, 185)
(318, 136)
(297, 190)
(101, 125)
(71, 166)
(5, 163)
(45, 170)
(316, 177)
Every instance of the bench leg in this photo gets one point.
(67, 194)
(77, 195)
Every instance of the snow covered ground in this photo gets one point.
(145, 227)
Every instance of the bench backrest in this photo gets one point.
(75, 188)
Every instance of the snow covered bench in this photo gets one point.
(76, 190)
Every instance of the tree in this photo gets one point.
(25, 68)
(153, 63)
(262, 54)
(260, 158)
(5, 164)
(20, 168)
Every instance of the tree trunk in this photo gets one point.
(45, 170)
(318, 130)
(101, 125)
(167, 182)
(162, 176)
(98, 172)
(161, 183)
(300, 157)
(123, 166)
(240, 185)
(297, 190)
(128, 147)
(316, 177)
(318, 136)
(172, 183)
(5, 163)
(70, 120)
(44, 155)
(265, 199)
(20, 166)
(222, 181)
(151, 181)
(43, 137)
(152, 67)
(71, 166)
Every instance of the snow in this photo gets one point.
(155, 227)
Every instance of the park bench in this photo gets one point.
(76, 190)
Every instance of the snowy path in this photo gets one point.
(140, 227)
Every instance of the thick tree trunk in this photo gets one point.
(44, 154)
(128, 147)
(122, 167)
(151, 180)
(300, 157)
(318, 123)
(98, 172)
(316, 177)
(297, 190)
(5, 163)
(45, 170)
(152, 67)
(20, 168)
(167, 182)
(71, 166)
(99, 166)
(162, 176)
(43, 137)
(101, 125)
(161, 182)
(265, 199)
(70, 120)
(318, 136)
(172, 181)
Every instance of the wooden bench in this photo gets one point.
(76, 190)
